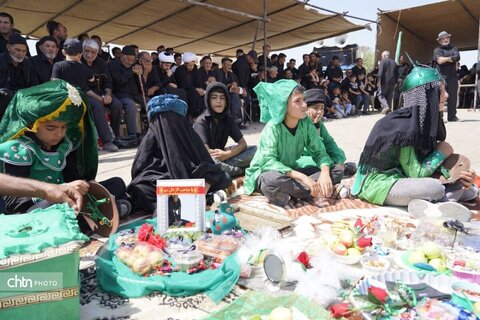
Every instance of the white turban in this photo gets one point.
(166, 57)
(189, 57)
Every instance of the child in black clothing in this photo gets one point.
(72, 70)
(354, 92)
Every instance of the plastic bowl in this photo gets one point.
(353, 259)
(187, 260)
(464, 273)
(463, 299)
(375, 264)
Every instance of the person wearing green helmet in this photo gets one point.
(407, 146)
(47, 134)
(288, 132)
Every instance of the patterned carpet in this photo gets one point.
(98, 305)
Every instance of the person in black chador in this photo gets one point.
(171, 149)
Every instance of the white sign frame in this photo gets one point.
(166, 188)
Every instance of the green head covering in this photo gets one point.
(273, 99)
(55, 100)
(420, 76)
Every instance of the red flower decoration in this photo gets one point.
(145, 232)
(157, 241)
(340, 310)
(380, 294)
(358, 223)
(304, 259)
(364, 242)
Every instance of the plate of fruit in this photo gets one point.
(347, 247)
(428, 257)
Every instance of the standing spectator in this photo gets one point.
(59, 32)
(6, 27)
(280, 64)
(15, 68)
(82, 37)
(358, 67)
(403, 68)
(160, 48)
(445, 56)
(386, 81)
(333, 69)
(239, 53)
(314, 61)
(117, 53)
(266, 52)
(42, 64)
(125, 73)
(100, 94)
(291, 66)
(303, 68)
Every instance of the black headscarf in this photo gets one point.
(418, 125)
(171, 149)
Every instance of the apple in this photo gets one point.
(141, 266)
(142, 249)
(280, 313)
(353, 252)
(431, 250)
(346, 238)
(156, 258)
(340, 249)
(417, 257)
(438, 264)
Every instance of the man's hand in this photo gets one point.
(442, 60)
(326, 186)
(467, 178)
(137, 69)
(107, 99)
(169, 72)
(64, 193)
(79, 185)
(200, 91)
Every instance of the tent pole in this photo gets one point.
(222, 9)
(265, 39)
(477, 87)
(256, 34)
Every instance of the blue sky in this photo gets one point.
(367, 9)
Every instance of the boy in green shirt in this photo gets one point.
(274, 170)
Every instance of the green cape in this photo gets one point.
(55, 100)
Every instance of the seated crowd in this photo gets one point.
(54, 119)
